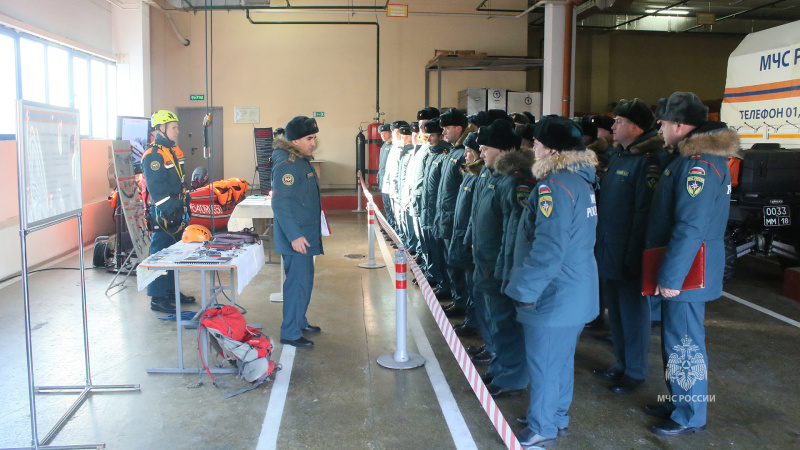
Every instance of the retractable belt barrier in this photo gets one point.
(464, 361)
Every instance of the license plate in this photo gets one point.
(777, 216)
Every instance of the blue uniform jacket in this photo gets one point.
(458, 253)
(162, 166)
(623, 204)
(382, 161)
(431, 179)
(449, 186)
(690, 207)
(554, 267)
(295, 199)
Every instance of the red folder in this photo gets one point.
(651, 264)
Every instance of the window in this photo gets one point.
(42, 71)
(8, 86)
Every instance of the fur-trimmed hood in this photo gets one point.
(713, 138)
(574, 161)
(474, 168)
(514, 161)
(648, 145)
(470, 128)
(282, 143)
(600, 145)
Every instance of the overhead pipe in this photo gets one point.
(288, 7)
(183, 40)
(731, 16)
(377, 47)
(535, 5)
(566, 80)
(655, 12)
(481, 9)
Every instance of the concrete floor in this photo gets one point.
(338, 396)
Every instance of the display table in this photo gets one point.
(243, 267)
(252, 207)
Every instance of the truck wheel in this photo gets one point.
(100, 253)
(730, 258)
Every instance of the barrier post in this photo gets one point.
(400, 359)
(371, 264)
(359, 194)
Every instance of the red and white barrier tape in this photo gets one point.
(464, 361)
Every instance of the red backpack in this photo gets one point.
(238, 343)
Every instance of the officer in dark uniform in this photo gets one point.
(554, 275)
(430, 191)
(297, 210)
(690, 208)
(624, 198)
(162, 166)
(496, 211)
(455, 129)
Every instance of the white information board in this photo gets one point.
(48, 162)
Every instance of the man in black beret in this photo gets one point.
(623, 202)
(497, 206)
(386, 135)
(404, 228)
(415, 182)
(456, 128)
(390, 175)
(297, 209)
(526, 133)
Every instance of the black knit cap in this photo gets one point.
(530, 116)
(558, 133)
(453, 117)
(683, 107)
(385, 127)
(603, 121)
(588, 127)
(488, 117)
(472, 141)
(519, 118)
(300, 127)
(404, 130)
(525, 131)
(637, 112)
(415, 127)
(398, 123)
(433, 127)
(500, 135)
(427, 113)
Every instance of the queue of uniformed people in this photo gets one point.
(528, 241)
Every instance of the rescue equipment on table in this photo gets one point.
(196, 233)
(221, 195)
(239, 344)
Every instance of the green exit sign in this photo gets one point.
(197, 97)
(319, 113)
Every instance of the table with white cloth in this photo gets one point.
(243, 266)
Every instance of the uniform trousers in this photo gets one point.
(434, 269)
(411, 236)
(550, 358)
(296, 294)
(160, 240)
(685, 360)
(422, 249)
(388, 212)
(508, 366)
(629, 322)
(439, 253)
(458, 285)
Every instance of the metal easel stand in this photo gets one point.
(128, 271)
(85, 390)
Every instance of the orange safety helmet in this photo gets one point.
(196, 233)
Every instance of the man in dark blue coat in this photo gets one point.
(690, 209)
(554, 275)
(497, 208)
(624, 198)
(297, 210)
(455, 129)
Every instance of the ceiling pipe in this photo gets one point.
(536, 5)
(731, 16)
(655, 12)
(377, 47)
(481, 9)
(155, 5)
(410, 13)
(288, 7)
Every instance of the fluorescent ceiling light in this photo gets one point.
(669, 12)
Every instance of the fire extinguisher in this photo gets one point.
(360, 151)
(374, 143)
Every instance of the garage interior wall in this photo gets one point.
(290, 70)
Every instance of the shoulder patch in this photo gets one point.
(652, 176)
(623, 173)
(544, 189)
(697, 171)
(523, 192)
(288, 179)
(310, 174)
(155, 165)
(694, 185)
(666, 172)
(546, 205)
